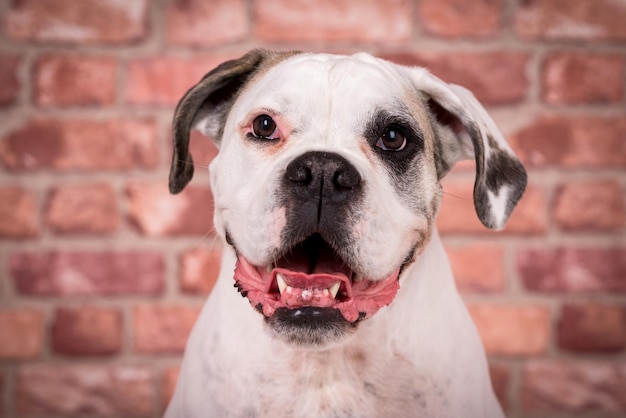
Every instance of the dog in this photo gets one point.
(335, 297)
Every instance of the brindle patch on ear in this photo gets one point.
(500, 169)
(206, 105)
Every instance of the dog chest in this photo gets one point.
(358, 382)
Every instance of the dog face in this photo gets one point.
(326, 183)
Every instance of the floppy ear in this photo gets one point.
(205, 108)
(464, 130)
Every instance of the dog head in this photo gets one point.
(326, 182)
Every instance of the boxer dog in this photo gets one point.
(326, 187)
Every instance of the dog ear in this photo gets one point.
(205, 107)
(464, 130)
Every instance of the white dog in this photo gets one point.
(326, 185)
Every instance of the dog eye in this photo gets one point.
(264, 127)
(393, 139)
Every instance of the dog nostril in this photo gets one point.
(347, 179)
(299, 173)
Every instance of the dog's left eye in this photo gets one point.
(392, 139)
(264, 127)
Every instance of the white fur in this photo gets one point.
(498, 202)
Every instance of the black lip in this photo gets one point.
(310, 326)
(229, 239)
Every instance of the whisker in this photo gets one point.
(215, 238)
(209, 232)
(457, 197)
(194, 164)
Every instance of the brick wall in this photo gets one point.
(103, 273)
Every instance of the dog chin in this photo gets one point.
(311, 327)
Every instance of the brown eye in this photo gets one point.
(392, 139)
(264, 127)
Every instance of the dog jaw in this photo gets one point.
(310, 297)
(355, 297)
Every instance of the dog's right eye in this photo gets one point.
(264, 127)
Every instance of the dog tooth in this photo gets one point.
(334, 289)
(325, 292)
(289, 290)
(269, 267)
(282, 284)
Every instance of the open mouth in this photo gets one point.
(312, 274)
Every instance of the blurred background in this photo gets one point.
(102, 272)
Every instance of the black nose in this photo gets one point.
(325, 177)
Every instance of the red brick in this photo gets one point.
(512, 330)
(583, 78)
(21, 333)
(202, 23)
(477, 268)
(202, 149)
(64, 80)
(155, 212)
(163, 329)
(573, 269)
(90, 208)
(68, 21)
(458, 216)
(18, 213)
(199, 269)
(9, 66)
(151, 80)
(501, 382)
(365, 21)
(78, 390)
(573, 386)
(572, 141)
(590, 205)
(592, 327)
(461, 18)
(571, 19)
(81, 145)
(493, 77)
(168, 384)
(87, 331)
(87, 273)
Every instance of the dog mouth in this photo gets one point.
(312, 274)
